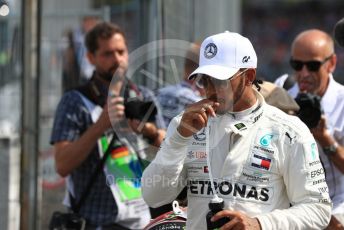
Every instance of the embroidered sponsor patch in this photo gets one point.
(196, 143)
(196, 154)
(197, 170)
(261, 162)
(319, 172)
(314, 151)
(320, 181)
(200, 136)
(313, 163)
(231, 190)
(210, 50)
(190, 155)
(324, 200)
(254, 176)
(266, 139)
(240, 126)
(263, 149)
(316, 181)
(311, 154)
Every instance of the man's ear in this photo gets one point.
(333, 63)
(90, 57)
(250, 76)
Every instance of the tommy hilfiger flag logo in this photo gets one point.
(261, 162)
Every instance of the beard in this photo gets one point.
(107, 76)
(113, 72)
(239, 92)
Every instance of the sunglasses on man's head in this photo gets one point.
(312, 66)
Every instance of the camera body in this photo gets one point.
(215, 207)
(140, 110)
(310, 109)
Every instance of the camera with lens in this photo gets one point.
(310, 109)
(216, 206)
(140, 110)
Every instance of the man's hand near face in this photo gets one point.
(148, 130)
(196, 117)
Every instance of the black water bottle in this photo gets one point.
(216, 206)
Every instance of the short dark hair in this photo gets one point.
(103, 30)
(192, 57)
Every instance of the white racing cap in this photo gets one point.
(222, 55)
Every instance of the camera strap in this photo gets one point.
(97, 93)
(76, 207)
(92, 92)
(89, 91)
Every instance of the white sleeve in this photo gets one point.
(304, 178)
(164, 178)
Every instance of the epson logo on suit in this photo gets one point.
(316, 173)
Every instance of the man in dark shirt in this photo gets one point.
(82, 130)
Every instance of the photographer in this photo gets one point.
(82, 130)
(313, 60)
(248, 165)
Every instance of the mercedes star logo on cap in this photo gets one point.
(210, 50)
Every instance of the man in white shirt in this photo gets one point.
(313, 60)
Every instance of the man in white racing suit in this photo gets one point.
(232, 146)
